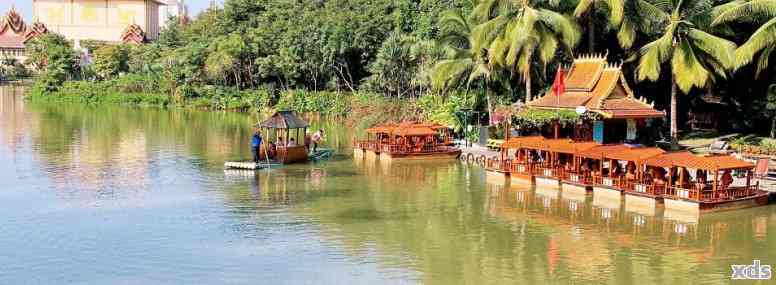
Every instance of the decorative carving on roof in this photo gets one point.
(599, 86)
(133, 34)
(37, 29)
(13, 22)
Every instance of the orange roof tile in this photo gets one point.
(584, 73)
(519, 142)
(689, 160)
(414, 131)
(635, 154)
(600, 151)
(559, 145)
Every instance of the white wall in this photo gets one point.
(102, 20)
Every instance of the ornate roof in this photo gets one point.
(284, 120)
(12, 30)
(600, 87)
(133, 34)
(14, 33)
(14, 22)
(34, 31)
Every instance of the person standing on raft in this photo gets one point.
(256, 146)
(317, 138)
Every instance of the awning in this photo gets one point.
(689, 160)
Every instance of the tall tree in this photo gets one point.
(695, 55)
(521, 32)
(623, 15)
(465, 61)
(763, 40)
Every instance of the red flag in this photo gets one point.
(559, 86)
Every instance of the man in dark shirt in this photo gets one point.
(256, 146)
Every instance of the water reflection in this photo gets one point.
(343, 220)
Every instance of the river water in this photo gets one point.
(118, 195)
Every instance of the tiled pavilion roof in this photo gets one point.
(600, 87)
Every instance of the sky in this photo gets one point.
(25, 7)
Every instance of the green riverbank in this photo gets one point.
(360, 108)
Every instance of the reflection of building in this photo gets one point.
(14, 34)
(101, 20)
(173, 8)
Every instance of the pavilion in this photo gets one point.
(594, 86)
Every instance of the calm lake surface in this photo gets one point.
(118, 195)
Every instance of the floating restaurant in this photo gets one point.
(406, 141)
(609, 161)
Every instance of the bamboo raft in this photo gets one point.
(321, 154)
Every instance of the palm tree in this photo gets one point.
(623, 15)
(762, 41)
(695, 55)
(518, 33)
(464, 62)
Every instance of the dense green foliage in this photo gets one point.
(326, 55)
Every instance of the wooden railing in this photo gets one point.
(365, 144)
(706, 194)
(403, 148)
(644, 187)
(577, 177)
(612, 182)
(524, 168)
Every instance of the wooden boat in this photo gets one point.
(719, 193)
(407, 141)
(276, 151)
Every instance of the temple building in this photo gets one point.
(593, 86)
(14, 34)
(101, 20)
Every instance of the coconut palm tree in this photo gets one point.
(464, 61)
(623, 15)
(695, 55)
(762, 41)
(519, 33)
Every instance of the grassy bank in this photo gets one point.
(359, 108)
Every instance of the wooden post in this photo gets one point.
(681, 175)
(556, 130)
(671, 176)
(714, 187)
(748, 178)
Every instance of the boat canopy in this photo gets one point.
(635, 154)
(689, 160)
(284, 120)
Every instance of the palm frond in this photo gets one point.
(763, 37)
(626, 34)
(582, 7)
(716, 48)
(450, 72)
(616, 11)
(567, 29)
(687, 70)
(746, 10)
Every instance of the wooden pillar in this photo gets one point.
(671, 176)
(681, 175)
(748, 178)
(716, 174)
(556, 129)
